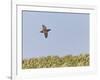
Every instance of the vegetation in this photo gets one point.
(56, 61)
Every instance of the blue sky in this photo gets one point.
(69, 34)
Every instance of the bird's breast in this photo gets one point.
(45, 31)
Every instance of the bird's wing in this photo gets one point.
(49, 29)
(41, 31)
(46, 35)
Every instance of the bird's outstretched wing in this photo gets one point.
(41, 31)
(49, 30)
(46, 35)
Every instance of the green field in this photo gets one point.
(56, 61)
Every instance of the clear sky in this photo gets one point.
(69, 34)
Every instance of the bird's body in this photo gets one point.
(45, 31)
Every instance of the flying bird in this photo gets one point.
(45, 31)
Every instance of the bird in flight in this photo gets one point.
(45, 31)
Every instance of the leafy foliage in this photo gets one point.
(56, 61)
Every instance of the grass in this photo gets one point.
(56, 61)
